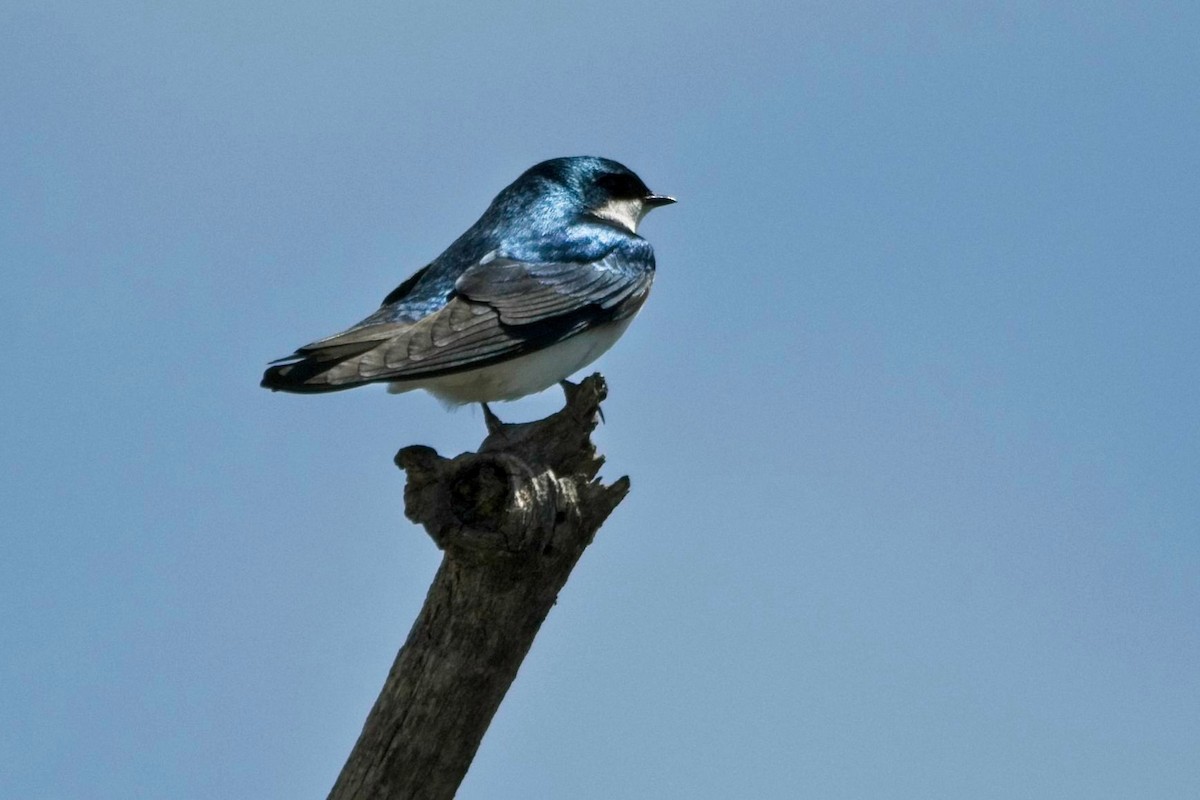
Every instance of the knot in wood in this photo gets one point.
(479, 493)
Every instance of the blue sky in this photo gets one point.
(911, 415)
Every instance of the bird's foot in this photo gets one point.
(494, 425)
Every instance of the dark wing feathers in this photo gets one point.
(403, 289)
(498, 307)
(525, 293)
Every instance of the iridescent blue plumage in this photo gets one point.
(538, 287)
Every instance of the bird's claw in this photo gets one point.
(494, 425)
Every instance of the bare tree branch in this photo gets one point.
(512, 520)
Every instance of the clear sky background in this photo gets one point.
(911, 415)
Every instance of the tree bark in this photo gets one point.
(512, 520)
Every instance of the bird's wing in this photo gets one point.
(525, 293)
(500, 309)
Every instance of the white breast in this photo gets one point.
(523, 375)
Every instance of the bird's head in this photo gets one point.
(600, 187)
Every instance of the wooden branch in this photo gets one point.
(512, 520)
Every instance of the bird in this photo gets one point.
(539, 287)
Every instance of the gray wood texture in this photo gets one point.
(512, 520)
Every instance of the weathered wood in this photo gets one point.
(512, 520)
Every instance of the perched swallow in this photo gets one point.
(543, 284)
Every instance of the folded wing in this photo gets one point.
(500, 309)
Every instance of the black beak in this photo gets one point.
(656, 200)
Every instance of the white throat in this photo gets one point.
(626, 213)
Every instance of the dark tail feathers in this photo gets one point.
(306, 370)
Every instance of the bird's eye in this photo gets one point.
(621, 186)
